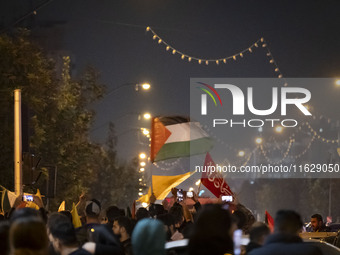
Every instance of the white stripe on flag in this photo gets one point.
(184, 132)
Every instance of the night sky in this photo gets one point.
(303, 37)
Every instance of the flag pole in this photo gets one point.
(152, 149)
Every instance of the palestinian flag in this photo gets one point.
(176, 136)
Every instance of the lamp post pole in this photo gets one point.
(17, 143)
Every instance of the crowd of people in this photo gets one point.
(157, 230)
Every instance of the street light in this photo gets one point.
(258, 140)
(278, 129)
(147, 116)
(241, 153)
(145, 131)
(145, 86)
(337, 82)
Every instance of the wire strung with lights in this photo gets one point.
(291, 141)
(222, 60)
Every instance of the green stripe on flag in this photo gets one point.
(184, 149)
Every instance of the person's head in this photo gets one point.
(211, 233)
(169, 224)
(287, 221)
(24, 213)
(67, 214)
(112, 213)
(177, 214)
(4, 240)
(148, 238)
(316, 221)
(241, 218)
(122, 227)
(61, 232)
(92, 210)
(156, 209)
(142, 213)
(28, 234)
(258, 233)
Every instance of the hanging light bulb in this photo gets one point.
(167, 48)
(234, 57)
(182, 57)
(160, 40)
(207, 62)
(268, 54)
(262, 39)
(199, 61)
(174, 51)
(276, 69)
(154, 37)
(280, 76)
(189, 59)
(224, 61)
(250, 50)
(241, 54)
(147, 28)
(271, 61)
(256, 45)
(217, 62)
(264, 45)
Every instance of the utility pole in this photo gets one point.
(17, 143)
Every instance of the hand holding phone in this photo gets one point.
(227, 198)
(180, 195)
(190, 194)
(27, 198)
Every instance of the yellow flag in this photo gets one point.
(146, 197)
(75, 217)
(61, 206)
(162, 185)
(32, 205)
(38, 194)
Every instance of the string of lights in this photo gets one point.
(190, 58)
(304, 151)
(259, 43)
(292, 140)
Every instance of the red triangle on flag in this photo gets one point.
(269, 221)
(159, 135)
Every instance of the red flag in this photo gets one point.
(270, 221)
(214, 181)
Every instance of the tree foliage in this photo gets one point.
(60, 119)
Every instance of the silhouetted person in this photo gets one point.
(4, 237)
(142, 213)
(286, 240)
(62, 235)
(122, 227)
(28, 236)
(257, 236)
(148, 238)
(92, 211)
(211, 232)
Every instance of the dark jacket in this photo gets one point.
(285, 244)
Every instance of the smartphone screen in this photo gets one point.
(227, 198)
(27, 198)
(180, 195)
